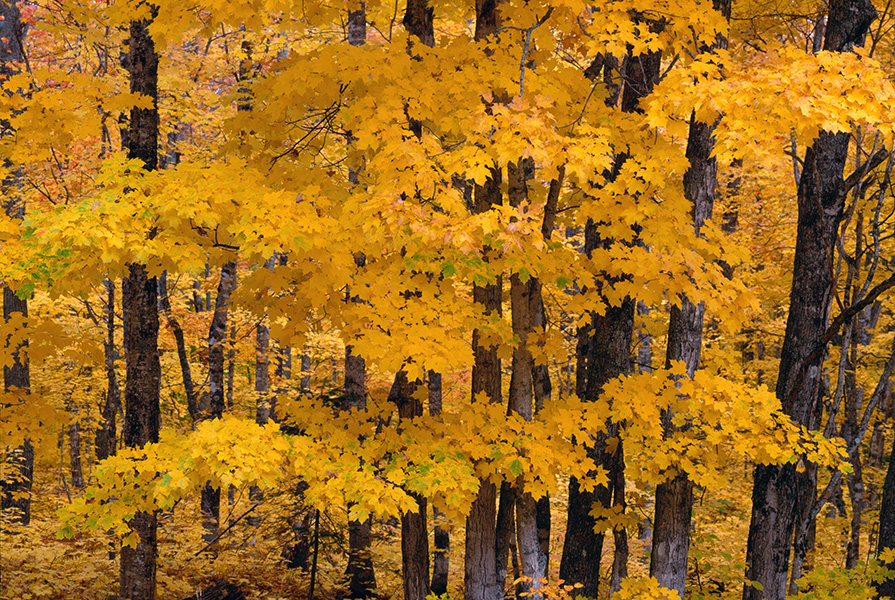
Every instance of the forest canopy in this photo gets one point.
(518, 298)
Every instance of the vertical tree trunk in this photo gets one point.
(603, 353)
(886, 539)
(674, 497)
(189, 389)
(441, 557)
(361, 576)
(217, 338)
(480, 566)
(820, 201)
(15, 489)
(524, 306)
(140, 305)
(305, 373)
(106, 432)
(414, 535)
(74, 453)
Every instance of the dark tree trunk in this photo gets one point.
(107, 430)
(15, 491)
(414, 534)
(505, 533)
(886, 540)
(189, 388)
(674, 498)
(142, 413)
(821, 198)
(140, 305)
(480, 568)
(603, 353)
(361, 576)
(441, 557)
(217, 338)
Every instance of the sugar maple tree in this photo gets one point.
(567, 148)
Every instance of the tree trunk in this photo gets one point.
(480, 565)
(603, 353)
(414, 535)
(886, 540)
(361, 576)
(441, 558)
(217, 337)
(106, 431)
(140, 305)
(189, 388)
(15, 490)
(674, 497)
(821, 199)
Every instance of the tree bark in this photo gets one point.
(217, 338)
(107, 431)
(886, 539)
(140, 305)
(674, 498)
(361, 576)
(821, 198)
(414, 534)
(15, 490)
(480, 565)
(189, 388)
(441, 557)
(603, 353)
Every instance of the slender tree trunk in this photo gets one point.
(441, 557)
(107, 430)
(305, 373)
(15, 489)
(480, 565)
(217, 337)
(361, 576)
(74, 453)
(524, 305)
(189, 388)
(821, 200)
(140, 305)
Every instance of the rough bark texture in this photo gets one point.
(361, 576)
(15, 489)
(674, 498)
(441, 556)
(480, 568)
(217, 338)
(140, 305)
(886, 539)
(524, 308)
(142, 415)
(603, 352)
(414, 535)
(820, 204)
(418, 21)
(107, 430)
